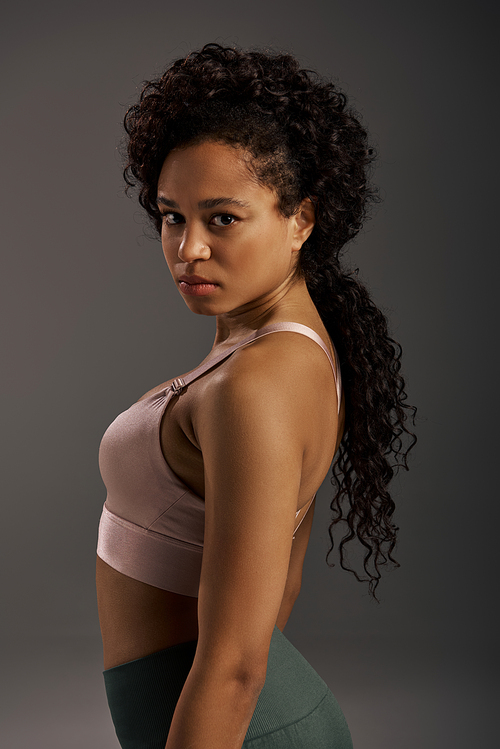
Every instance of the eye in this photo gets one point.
(171, 219)
(223, 219)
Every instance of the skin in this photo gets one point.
(254, 436)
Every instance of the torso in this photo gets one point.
(138, 619)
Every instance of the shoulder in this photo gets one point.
(284, 376)
(283, 360)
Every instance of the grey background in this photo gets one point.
(92, 321)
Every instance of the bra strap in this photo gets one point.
(304, 515)
(181, 382)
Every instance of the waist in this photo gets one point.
(295, 707)
(137, 618)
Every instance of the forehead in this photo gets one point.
(208, 169)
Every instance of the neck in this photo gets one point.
(291, 303)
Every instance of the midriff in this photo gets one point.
(137, 619)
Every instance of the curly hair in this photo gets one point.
(306, 143)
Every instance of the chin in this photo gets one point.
(203, 308)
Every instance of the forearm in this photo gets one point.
(213, 712)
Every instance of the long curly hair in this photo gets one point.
(306, 143)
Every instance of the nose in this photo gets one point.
(193, 245)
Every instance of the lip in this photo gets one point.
(196, 285)
(195, 279)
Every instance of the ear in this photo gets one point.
(304, 221)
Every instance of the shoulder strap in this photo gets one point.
(293, 327)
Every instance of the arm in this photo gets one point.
(252, 431)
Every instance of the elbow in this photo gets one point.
(244, 677)
(248, 671)
(250, 678)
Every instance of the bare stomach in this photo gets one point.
(137, 619)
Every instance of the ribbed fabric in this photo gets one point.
(142, 695)
(295, 709)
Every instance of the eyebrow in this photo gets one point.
(209, 203)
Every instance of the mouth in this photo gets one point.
(196, 285)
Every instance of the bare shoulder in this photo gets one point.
(284, 349)
(280, 378)
(276, 365)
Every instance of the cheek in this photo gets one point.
(169, 250)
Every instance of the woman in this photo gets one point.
(253, 172)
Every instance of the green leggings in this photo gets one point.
(295, 709)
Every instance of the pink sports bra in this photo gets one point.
(152, 524)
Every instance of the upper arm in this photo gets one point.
(253, 432)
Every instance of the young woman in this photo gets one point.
(254, 173)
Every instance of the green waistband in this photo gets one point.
(143, 693)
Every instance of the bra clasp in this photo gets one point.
(177, 386)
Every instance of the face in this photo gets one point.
(228, 248)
